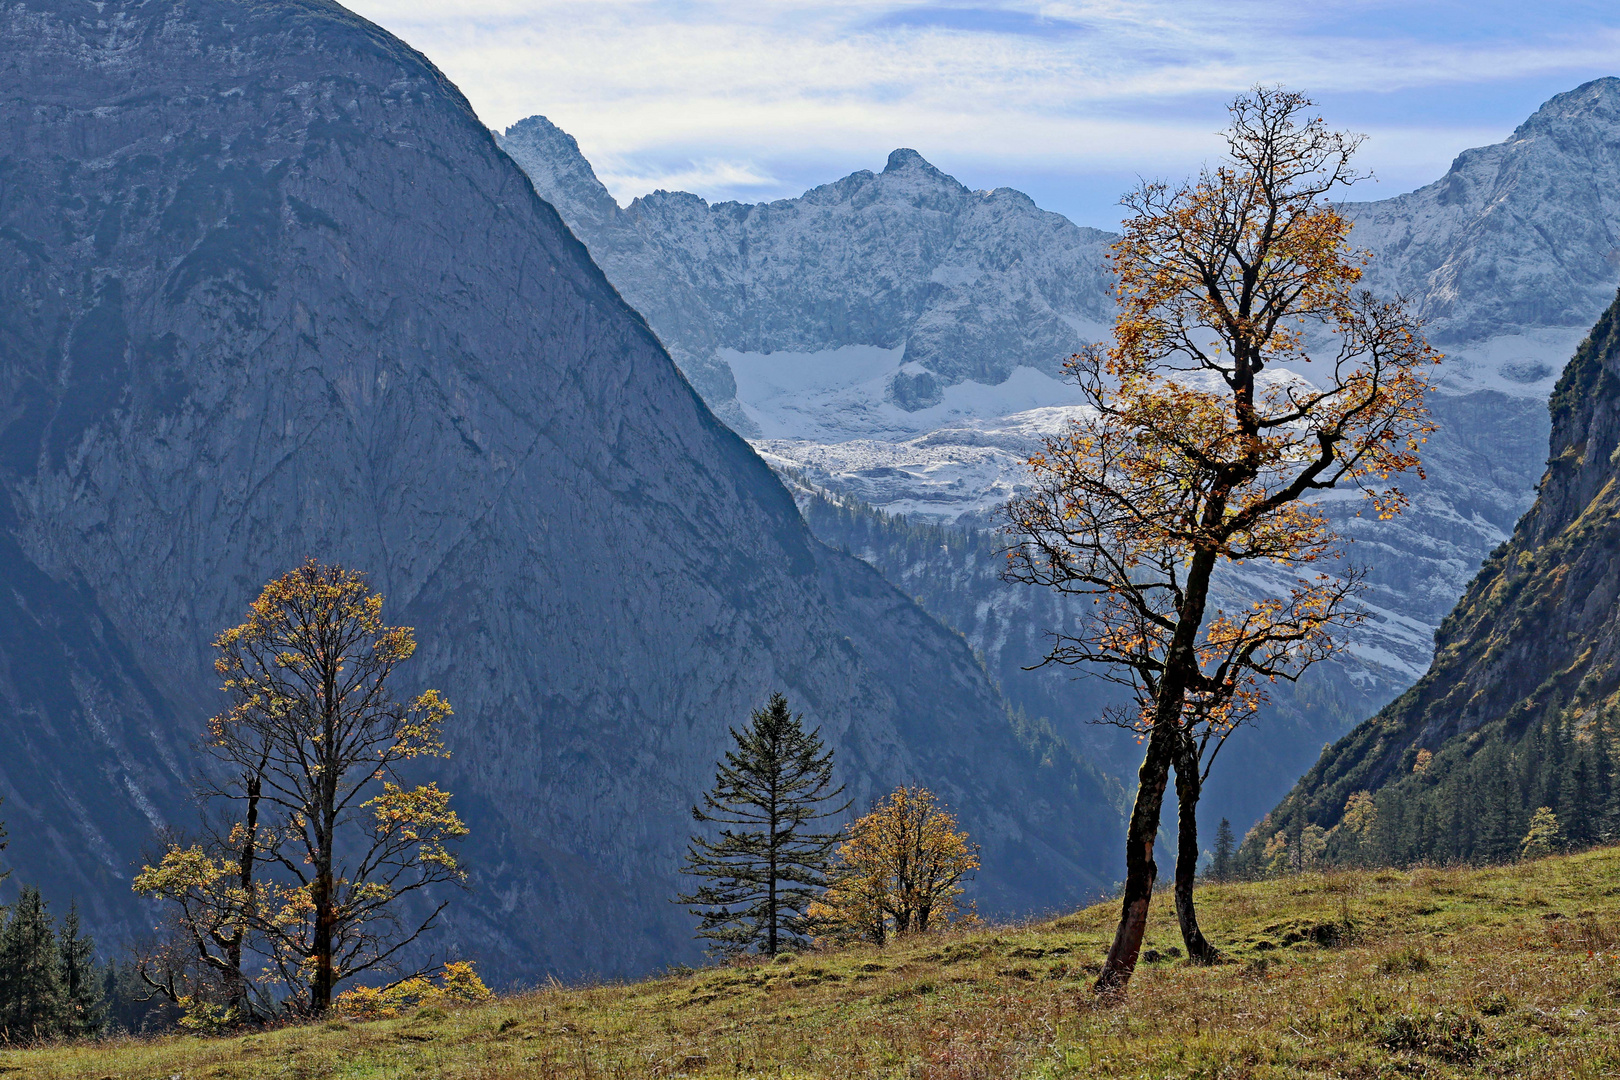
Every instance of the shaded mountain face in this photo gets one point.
(1526, 666)
(271, 291)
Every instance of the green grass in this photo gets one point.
(1510, 972)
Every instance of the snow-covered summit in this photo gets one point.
(966, 285)
(1513, 254)
(894, 335)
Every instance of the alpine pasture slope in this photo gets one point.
(1511, 971)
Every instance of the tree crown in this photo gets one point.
(1246, 376)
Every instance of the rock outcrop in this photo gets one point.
(1518, 239)
(270, 291)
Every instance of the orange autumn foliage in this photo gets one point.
(899, 871)
(1247, 375)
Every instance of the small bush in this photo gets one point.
(458, 984)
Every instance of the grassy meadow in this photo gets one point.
(1509, 971)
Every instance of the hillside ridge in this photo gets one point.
(1531, 645)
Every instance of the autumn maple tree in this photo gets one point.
(899, 870)
(1247, 375)
(321, 842)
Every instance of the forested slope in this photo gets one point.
(1519, 708)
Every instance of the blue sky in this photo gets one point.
(1069, 101)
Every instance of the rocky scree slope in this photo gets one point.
(271, 291)
(1530, 651)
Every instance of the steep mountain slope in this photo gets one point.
(269, 291)
(1527, 664)
(954, 573)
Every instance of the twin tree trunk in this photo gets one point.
(1140, 870)
(1144, 493)
(1164, 746)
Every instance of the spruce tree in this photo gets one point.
(766, 864)
(1221, 868)
(84, 1007)
(32, 1005)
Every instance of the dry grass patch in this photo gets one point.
(1504, 972)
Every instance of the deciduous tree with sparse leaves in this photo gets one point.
(1247, 375)
(328, 843)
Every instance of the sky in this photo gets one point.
(1072, 102)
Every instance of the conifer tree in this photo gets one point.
(766, 865)
(1221, 868)
(84, 1010)
(32, 1004)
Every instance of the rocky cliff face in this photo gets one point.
(1531, 648)
(1513, 253)
(271, 291)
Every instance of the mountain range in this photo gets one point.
(892, 339)
(271, 291)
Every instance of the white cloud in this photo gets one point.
(743, 97)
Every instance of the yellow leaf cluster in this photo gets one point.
(458, 984)
(898, 871)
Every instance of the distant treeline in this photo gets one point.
(53, 987)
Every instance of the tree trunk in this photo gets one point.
(324, 943)
(775, 827)
(1189, 786)
(320, 989)
(1140, 869)
(1181, 664)
(240, 1002)
(770, 943)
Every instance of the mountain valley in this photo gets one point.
(274, 292)
(247, 323)
(893, 338)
